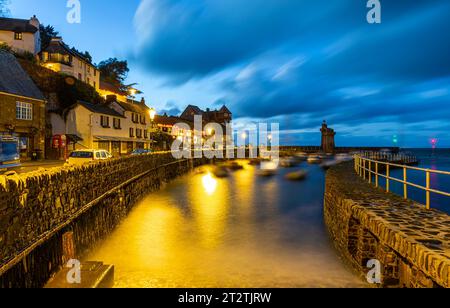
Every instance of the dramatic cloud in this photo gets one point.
(300, 62)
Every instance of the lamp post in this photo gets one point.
(152, 113)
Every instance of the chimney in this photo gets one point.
(208, 110)
(34, 21)
(111, 99)
(143, 101)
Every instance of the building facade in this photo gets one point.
(118, 127)
(22, 108)
(22, 35)
(61, 59)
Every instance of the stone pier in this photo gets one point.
(411, 243)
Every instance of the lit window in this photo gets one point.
(104, 121)
(18, 36)
(24, 111)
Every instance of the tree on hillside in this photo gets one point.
(47, 32)
(85, 54)
(4, 10)
(114, 72)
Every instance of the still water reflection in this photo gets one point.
(243, 231)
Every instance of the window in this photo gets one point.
(95, 84)
(104, 121)
(24, 111)
(18, 36)
(116, 123)
(88, 69)
(138, 133)
(79, 76)
(95, 72)
(135, 118)
(131, 132)
(82, 155)
(146, 134)
(88, 81)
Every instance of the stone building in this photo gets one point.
(328, 135)
(222, 116)
(22, 35)
(22, 107)
(61, 59)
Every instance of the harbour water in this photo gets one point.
(241, 231)
(437, 159)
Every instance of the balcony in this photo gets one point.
(57, 58)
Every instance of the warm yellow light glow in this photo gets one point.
(132, 92)
(244, 136)
(152, 114)
(209, 131)
(209, 184)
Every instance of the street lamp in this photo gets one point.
(152, 113)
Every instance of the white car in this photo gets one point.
(82, 157)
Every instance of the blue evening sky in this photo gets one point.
(295, 62)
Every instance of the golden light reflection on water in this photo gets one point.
(205, 232)
(209, 209)
(209, 184)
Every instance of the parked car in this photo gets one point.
(140, 152)
(82, 157)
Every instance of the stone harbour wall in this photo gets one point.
(411, 243)
(88, 201)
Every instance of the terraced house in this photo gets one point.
(118, 127)
(22, 107)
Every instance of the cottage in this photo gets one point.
(22, 35)
(22, 107)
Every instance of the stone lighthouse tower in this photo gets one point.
(328, 135)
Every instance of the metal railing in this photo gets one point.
(367, 168)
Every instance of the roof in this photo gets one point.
(111, 88)
(17, 25)
(224, 109)
(21, 84)
(58, 46)
(196, 109)
(101, 109)
(134, 106)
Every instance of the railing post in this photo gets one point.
(388, 175)
(376, 175)
(428, 190)
(405, 183)
(364, 169)
(370, 172)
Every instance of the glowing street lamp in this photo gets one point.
(152, 113)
